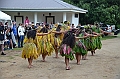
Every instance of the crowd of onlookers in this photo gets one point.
(12, 36)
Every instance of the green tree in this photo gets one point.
(106, 11)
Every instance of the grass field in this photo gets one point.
(111, 37)
(17, 49)
(108, 37)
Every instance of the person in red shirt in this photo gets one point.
(26, 20)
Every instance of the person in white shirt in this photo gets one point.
(21, 31)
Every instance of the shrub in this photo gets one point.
(118, 26)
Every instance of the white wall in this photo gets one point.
(58, 16)
(24, 14)
(69, 17)
(41, 18)
(76, 21)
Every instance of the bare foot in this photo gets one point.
(84, 59)
(29, 66)
(43, 60)
(56, 57)
(78, 63)
(67, 68)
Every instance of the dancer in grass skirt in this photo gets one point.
(80, 49)
(90, 41)
(30, 47)
(46, 47)
(66, 47)
(99, 32)
(58, 36)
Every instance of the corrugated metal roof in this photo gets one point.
(37, 4)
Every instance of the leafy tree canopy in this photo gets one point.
(105, 11)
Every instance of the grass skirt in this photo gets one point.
(45, 45)
(66, 51)
(80, 48)
(29, 50)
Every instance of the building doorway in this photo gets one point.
(19, 19)
(50, 19)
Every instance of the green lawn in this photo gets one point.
(17, 49)
(108, 37)
(111, 37)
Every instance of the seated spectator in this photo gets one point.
(6, 43)
(9, 37)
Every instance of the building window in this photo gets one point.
(76, 15)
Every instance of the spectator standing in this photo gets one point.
(78, 26)
(21, 31)
(72, 26)
(27, 28)
(26, 20)
(14, 29)
(12, 34)
(2, 37)
(51, 25)
(18, 34)
(42, 24)
(37, 25)
(32, 25)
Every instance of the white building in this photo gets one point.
(41, 11)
